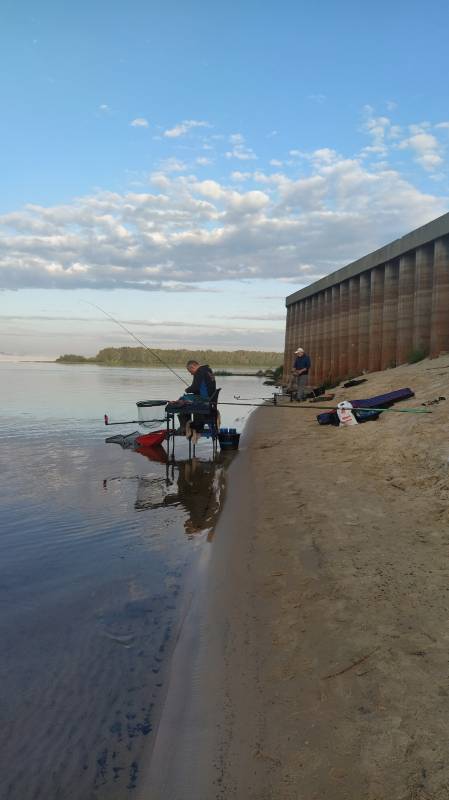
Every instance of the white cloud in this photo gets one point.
(182, 128)
(189, 231)
(240, 149)
(240, 177)
(139, 122)
(419, 139)
(254, 225)
(104, 108)
(172, 165)
(425, 147)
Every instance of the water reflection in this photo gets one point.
(91, 582)
(197, 485)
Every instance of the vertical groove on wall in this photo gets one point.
(313, 326)
(364, 311)
(376, 318)
(353, 326)
(423, 299)
(406, 297)
(343, 329)
(439, 337)
(327, 336)
(319, 346)
(335, 367)
(390, 315)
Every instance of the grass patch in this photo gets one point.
(417, 355)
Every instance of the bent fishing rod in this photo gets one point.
(153, 353)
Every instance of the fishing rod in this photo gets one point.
(275, 405)
(153, 353)
(332, 408)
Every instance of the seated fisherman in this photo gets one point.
(203, 387)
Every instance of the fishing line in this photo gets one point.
(117, 322)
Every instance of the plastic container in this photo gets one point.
(145, 410)
(229, 439)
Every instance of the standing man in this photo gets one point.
(301, 370)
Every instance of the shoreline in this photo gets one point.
(315, 663)
(188, 719)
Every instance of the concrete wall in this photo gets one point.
(376, 312)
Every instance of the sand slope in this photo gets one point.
(320, 668)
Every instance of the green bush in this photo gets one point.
(417, 355)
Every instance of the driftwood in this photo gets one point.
(351, 666)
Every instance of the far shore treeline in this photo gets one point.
(141, 357)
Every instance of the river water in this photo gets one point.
(96, 543)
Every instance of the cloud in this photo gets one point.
(425, 146)
(189, 231)
(185, 230)
(240, 149)
(182, 128)
(172, 165)
(104, 108)
(426, 149)
(139, 122)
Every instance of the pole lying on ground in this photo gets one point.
(332, 408)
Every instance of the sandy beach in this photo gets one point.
(313, 662)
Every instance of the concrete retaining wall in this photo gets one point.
(380, 311)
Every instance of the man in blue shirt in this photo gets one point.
(301, 370)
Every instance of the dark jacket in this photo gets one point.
(302, 362)
(203, 383)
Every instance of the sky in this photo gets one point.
(185, 166)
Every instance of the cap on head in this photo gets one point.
(299, 350)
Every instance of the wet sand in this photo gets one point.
(313, 663)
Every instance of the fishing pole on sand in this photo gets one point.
(275, 405)
(331, 408)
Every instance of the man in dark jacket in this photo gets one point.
(202, 387)
(301, 368)
(203, 383)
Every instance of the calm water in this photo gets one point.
(95, 546)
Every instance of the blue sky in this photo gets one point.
(187, 165)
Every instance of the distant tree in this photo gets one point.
(141, 357)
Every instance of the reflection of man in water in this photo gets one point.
(200, 488)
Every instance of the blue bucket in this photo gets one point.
(228, 438)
